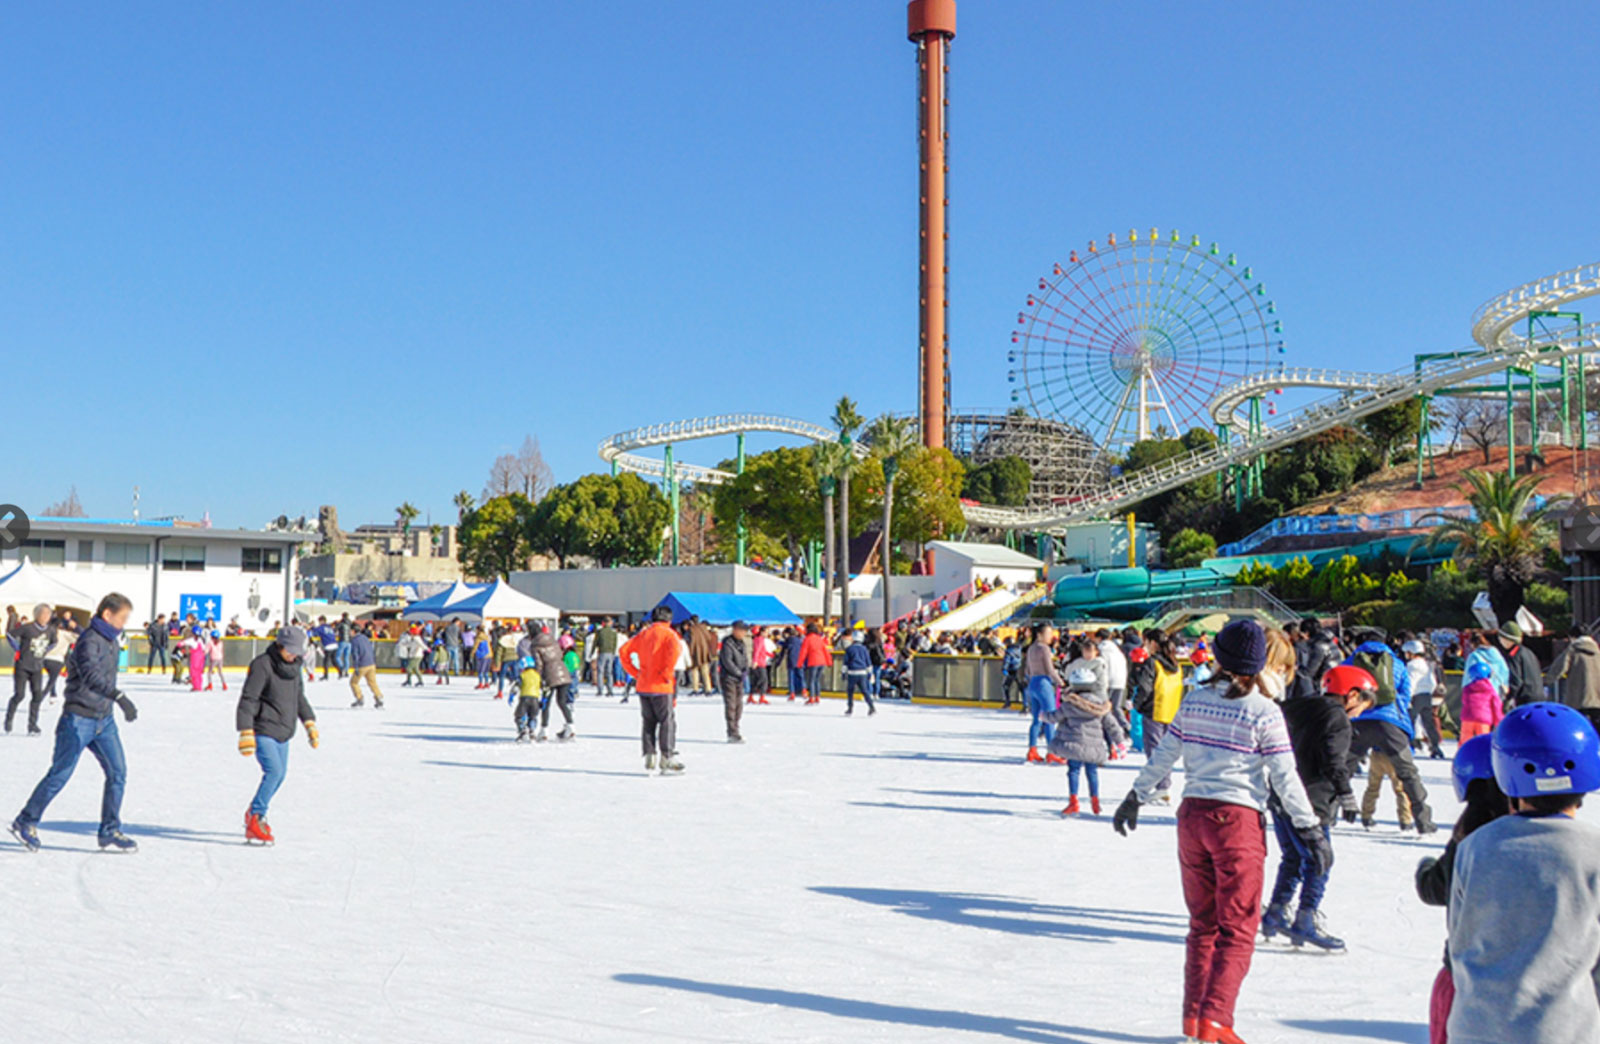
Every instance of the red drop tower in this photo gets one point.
(931, 24)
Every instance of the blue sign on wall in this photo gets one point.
(205, 606)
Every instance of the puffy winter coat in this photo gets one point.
(91, 690)
(1481, 703)
(1527, 677)
(1397, 713)
(1577, 668)
(1082, 723)
(273, 699)
(1319, 731)
(814, 652)
(552, 665)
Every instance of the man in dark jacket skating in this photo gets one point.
(733, 660)
(88, 722)
(272, 701)
(556, 681)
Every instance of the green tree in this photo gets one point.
(778, 496)
(928, 491)
(1393, 427)
(1505, 541)
(829, 460)
(405, 514)
(493, 541)
(1005, 481)
(613, 519)
(848, 420)
(1189, 548)
(464, 503)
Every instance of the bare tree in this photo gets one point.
(522, 472)
(67, 507)
(1481, 422)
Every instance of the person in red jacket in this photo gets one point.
(814, 656)
(650, 658)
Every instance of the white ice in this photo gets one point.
(898, 878)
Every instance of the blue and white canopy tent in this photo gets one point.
(433, 607)
(500, 601)
(720, 610)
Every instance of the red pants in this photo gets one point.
(1474, 729)
(1444, 995)
(1222, 850)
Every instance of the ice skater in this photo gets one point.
(272, 701)
(651, 659)
(1044, 683)
(32, 640)
(364, 667)
(88, 722)
(215, 654)
(858, 674)
(529, 688)
(733, 660)
(1086, 728)
(1235, 750)
(556, 681)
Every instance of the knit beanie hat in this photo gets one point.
(1241, 647)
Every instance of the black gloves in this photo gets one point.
(1316, 842)
(1127, 814)
(129, 711)
(1348, 807)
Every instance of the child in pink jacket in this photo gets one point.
(197, 659)
(214, 657)
(1481, 709)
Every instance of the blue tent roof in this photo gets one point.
(723, 609)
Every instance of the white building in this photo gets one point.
(168, 567)
(957, 564)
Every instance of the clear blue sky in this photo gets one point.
(255, 258)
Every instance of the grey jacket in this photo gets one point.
(1085, 726)
(1577, 670)
(1525, 933)
(552, 667)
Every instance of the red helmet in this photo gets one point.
(1345, 679)
(1139, 655)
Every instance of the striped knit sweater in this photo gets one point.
(1233, 750)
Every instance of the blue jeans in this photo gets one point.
(797, 681)
(1294, 867)
(74, 735)
(454, 653)
(605, 672)
(1041, 700)
(814, 682)
(1091, 771)
(273, 757)
(341, 657)
(509, 674)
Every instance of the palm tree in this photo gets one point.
(464, 503)
(1505, 540)
(849, 421)
(406, 513)
(892, 439)
(829, 460)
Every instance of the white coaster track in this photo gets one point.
(619, 448)
(1354, 395)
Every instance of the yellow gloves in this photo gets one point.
(247, 742)
(311, 734)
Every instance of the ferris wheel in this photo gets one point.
(1134, 336)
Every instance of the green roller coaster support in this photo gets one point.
(672, 500)
(1511, 423)
(1254, 469)
(744, 535)
(1424, 444)
(1538, 318)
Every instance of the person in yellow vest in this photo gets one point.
(1158, 683)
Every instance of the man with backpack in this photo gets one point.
(1386, 727)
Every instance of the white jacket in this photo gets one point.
(1116, 664)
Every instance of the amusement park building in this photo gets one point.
(633, 591)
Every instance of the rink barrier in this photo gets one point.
(238, 652)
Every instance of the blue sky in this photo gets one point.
(256, 259)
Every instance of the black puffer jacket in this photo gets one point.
(91, 690)
(1319, 730)
(552, 666)
(273, 699)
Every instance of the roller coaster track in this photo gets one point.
(1355, 395)
(619, 448)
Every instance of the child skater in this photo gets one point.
(529, 691)
(441, 661)
(214, 657)
(1082, 721)
(1481, 708)
(1484, 802)
(1525, 892)
(197, 659)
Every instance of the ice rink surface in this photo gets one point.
(898, 878)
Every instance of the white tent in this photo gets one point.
(433, 607)
(500, 601)
(27, 586)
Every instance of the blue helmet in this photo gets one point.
(1474, 760)
(1478, 670)
(1546, 749)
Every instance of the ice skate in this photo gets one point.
(763, 701)
(25, 833)
(1053, 759)
(208, 686)
(540, 736)
(1191, 1029)
(566, 735)
(1034, 757)
(358, 703)
(670, 765)
(736, 739)
(117, 841)
(1423, 819)
(256, 830)
(649, 763)
(1275, 920)
(1309, 928)
(377, 704)
(1094, 805)
(1072, 808)
(1211, 1033)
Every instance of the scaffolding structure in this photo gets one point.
(1065, 460)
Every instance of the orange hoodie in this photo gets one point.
(651, 657)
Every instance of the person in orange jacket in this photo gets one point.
(814, 656)
(650, 658)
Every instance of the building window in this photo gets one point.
(183, 558)
(261, 560)
(44, 552)
(85, 553)
(133, 556)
